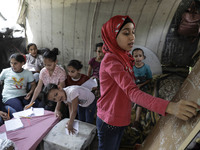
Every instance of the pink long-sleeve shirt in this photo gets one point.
(118, 91)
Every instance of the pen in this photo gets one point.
(25, 117)
(8, 112)
(30, 105)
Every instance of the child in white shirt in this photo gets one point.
(73, 96)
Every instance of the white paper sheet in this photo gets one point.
(13, 124)
(24, 113)
(75, 126)
(92, 82)
(38, 111)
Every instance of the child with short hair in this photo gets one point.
(94, 63)
(143, 76)
(73, 96)
(51, 73)
(15, 83)
(119, 91)
(34, 61)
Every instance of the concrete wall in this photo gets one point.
(74, 26)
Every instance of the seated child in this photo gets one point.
(73, 96)
(15, 83)
(34, 61)
(143, 76)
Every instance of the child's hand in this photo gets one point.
(4, 115)
(183, 109)
(28, 95)
(58, 114)
(70, 128)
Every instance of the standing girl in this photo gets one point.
(75, 77)
(94, 63)
(118, 90)
(51, 73)
(73, 96)
(15, 83)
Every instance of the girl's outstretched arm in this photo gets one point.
(183, 109)
(73, 111)
(89, 70)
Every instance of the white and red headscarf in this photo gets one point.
(109, 33)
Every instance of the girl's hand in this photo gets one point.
(183, 109)
(70, 128)
(58, 114)
(4, 115)
(28, 95)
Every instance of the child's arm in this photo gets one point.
(28, 95)
(58, 105)
(37, 91)
(144, 83)
(89, 70)
(72, 111)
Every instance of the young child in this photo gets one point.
(73, 96)
(15, 83)
(94, 63)
(118, 90)
(34, 61)
(51, 73)
(143, 76)
(75, 77)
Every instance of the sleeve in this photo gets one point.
(42, 74)
(149, 73)
(30, 76)
(2, 75)
(73, 94)
(91, 61)
(124, 80)
(63, 75)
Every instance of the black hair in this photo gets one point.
(31, 44)
(75, 64)
(48, 88)
(18, 57)
(98, 45)
(51, 54)
(136, 49)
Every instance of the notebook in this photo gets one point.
(13, 124)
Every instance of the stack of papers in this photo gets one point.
(13, 124)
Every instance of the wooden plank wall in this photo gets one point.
(74, 26)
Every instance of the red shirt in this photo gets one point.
(82, 79)
(118, 91)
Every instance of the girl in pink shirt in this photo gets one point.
(51, 73)
(118, 91)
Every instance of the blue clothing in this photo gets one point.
(15, 84)
(142, 74)
(109, 136)
(86, 114)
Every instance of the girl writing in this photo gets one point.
(15, 83)
(73, 96)
(118, 90)
(51, 73)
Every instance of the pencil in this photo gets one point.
(8, 112)
(30, 105)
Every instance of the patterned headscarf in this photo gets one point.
(109, 33)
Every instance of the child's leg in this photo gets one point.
(90, 112)
(15, 103)
(81, 113)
